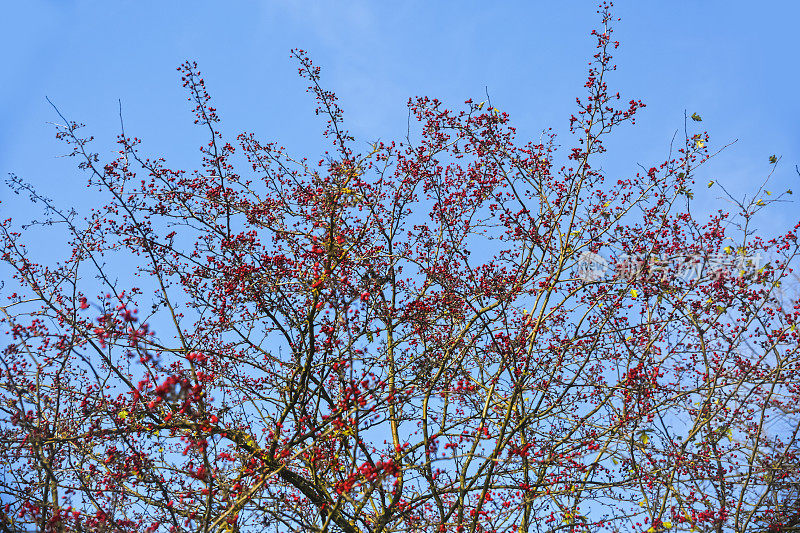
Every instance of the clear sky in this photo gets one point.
(734, 62)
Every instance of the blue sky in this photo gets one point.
(733, 62)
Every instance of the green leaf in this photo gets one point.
(696, 117)
(773, 159)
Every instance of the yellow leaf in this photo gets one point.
(760, 202)
(710, 183)
(123, 414)
(699, 143)
(728, 249)
(666, 524)
(634, 293)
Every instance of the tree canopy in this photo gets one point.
(456, 332)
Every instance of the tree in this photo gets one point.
(452, 333)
